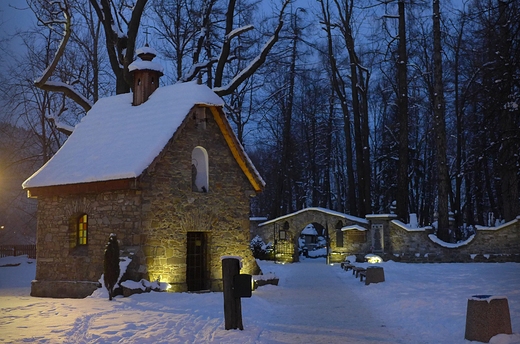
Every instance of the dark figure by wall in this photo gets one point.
(111, 265)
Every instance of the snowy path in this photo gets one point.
(313, 304)
(299, 316)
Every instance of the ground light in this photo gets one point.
(373, 259)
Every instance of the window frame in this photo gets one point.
(200, 170)
(82, 230)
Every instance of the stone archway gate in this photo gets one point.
(284, 231)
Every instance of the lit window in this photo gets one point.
(82, 230)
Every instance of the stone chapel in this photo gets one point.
(163, 170)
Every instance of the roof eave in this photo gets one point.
(237, 150)
(82, 188)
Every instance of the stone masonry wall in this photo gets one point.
(171, 208)
(502, 242)
(110, 212)
(340, 253)
(411, 245)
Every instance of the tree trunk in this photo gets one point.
(402, 100)
(440, 128)
(120, 48)
(460, 130)
(360, 127)
(358, 137)
(365, 133)
(284, 176)
(509, 147)
(338, 85)
(328, 156)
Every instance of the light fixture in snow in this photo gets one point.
(373, 258)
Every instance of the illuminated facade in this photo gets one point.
(176, 210)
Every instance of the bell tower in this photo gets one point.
(146, 74)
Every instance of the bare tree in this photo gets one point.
(47, 15)
(121, 21)
(359, 77)
(255, 64)
(402, 104)
(439, 108)
(508, 96)
(338, 83)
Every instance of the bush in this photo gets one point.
(111, 265)
(260, 249)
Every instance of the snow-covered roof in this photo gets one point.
(309, 230)
(438, 241)
(258, 218)
(496, 228)
(380, 216)
(139, 64)
(118, 141)
(353, 228)
(146, 50)
(409, 228)
(144, 61)
(323, 210)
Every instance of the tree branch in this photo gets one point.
(68, 90)
(226, 47)
(43, 81)
(195, 69)
(257, 62)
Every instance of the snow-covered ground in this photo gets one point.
(314, 303)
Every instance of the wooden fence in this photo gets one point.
(18, 250)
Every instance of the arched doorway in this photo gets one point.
(285, 232)
(312, 241)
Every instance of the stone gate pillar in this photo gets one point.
(379, 231)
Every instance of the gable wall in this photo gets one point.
(171, 208)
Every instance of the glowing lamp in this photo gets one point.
(373, 259)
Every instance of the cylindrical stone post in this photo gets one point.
(486, 317)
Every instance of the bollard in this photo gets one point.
(486, 317)
(232, 304)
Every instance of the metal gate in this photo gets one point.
(283, 243)
(196, 269)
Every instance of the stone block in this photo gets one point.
(176, 260)
(160, 251)
(374, 274)
(486, 317)
(261, 282)
(63, 289)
